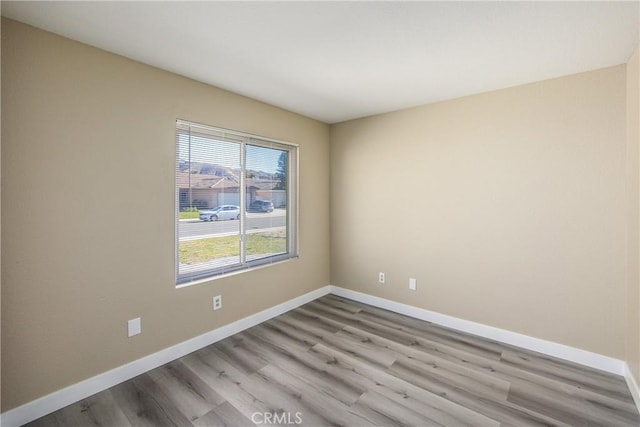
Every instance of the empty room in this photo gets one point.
(320, 213)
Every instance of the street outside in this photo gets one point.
(191, 229)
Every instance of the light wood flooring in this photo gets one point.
(338, 362)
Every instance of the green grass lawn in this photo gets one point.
(197, 251)
(189, 215)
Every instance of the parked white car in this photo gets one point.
(220, 213)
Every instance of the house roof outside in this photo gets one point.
(204, 181)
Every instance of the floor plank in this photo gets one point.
(98, 410)
(186, 390)
(457, 413)
(144, 405)
(223, 415)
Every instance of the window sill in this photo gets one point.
(234, 273)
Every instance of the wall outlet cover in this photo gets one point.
(217, 302)
(134, 327)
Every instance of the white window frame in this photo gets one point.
(243, 139)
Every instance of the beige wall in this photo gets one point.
(88, 211)
(633, 219)
(508, 207)
(0, 214)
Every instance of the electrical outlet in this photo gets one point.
(217, 302)
(134, 327)
(381, 277)
(413, 284)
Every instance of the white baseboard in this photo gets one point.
(561, 351)
(61, 398)
(633, 386)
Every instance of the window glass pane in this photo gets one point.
(235, 201)
(209, 185)
(266, 192)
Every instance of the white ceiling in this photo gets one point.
(336, 61)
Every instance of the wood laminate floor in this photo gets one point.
(338, 362)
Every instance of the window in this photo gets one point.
(236, 201)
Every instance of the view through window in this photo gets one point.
(235, 201)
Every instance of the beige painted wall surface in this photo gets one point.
(508, 207)
(633, 219)
(88, 211)
(0, 209)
